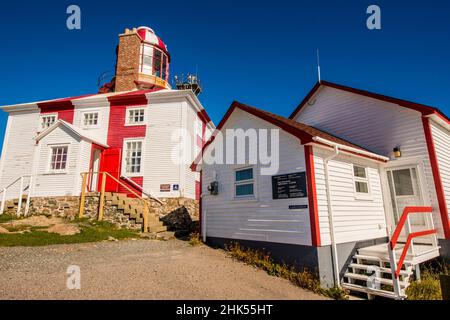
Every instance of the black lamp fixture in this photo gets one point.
(397, 152)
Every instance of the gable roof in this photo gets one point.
(424, 109)
(77, 131)
(305, 133)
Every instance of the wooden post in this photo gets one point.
(82, 196)
(2, 209)
(146, 216)
(102, 197)
(30, 188)
(19, 205)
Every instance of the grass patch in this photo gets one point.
(7, 218)
(303, 279)
(195, 239)
(91, 231)
(429, 288)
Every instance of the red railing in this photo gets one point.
(404, 218)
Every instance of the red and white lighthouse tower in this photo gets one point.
(142, 61)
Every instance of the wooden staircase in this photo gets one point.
(135, 211)
(372, 275)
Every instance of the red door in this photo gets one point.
(110, 162)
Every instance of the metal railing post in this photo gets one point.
(102, 197)
(2, 209)
(82, 196)
(30, 188)
(19, 205)
(395, 279)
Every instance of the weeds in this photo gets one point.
(303, 279)
(429, 288)
(195, 239)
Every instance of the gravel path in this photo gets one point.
(136, 270)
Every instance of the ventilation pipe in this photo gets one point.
(331, 217)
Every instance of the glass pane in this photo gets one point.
(403, 182)
(244, 190)
(157, 63)
(359, 172)
(246, 174)
(361, 187)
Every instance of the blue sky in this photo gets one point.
(261, 53)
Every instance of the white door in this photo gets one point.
(95, 167)
(405, 191)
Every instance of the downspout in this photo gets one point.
(331, 217)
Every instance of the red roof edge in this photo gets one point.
(424, 109)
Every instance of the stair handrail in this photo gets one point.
(396, 266)
(147, 193)
(102, 196)
(21, 188)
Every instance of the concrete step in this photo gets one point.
(158, 229)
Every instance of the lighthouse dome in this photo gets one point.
(148, 36)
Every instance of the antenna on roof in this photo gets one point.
(318, 65)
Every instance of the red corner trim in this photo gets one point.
(312, 196)
(437, 177)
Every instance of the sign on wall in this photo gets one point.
(288, 186)
(164, 188)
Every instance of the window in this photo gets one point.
(58, 160)
(361, 180)
(47, 121)
(135, 116)
(90, 119)
(403, 181)
(157, 63)
(244, 183)
(133, 157)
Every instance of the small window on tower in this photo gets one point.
(157, 62)
(135, 116)
(47, 121)
(90, 119)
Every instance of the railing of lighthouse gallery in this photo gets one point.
(103, 176)
(396, 265)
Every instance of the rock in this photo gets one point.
(146, 235)
(165, 236)
(3, 230)
(112, 239)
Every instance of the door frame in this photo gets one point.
(417, 163)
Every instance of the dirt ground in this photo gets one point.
(140, 269)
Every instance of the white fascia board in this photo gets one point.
(350, 149)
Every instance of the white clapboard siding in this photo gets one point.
(190, 176)
(18, 146)
(60, 184)
(354, 219)
(100, 105)
(441, 139)
(260, 219)
(376, 125)
(159, 166)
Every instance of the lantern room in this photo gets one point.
(142, 61)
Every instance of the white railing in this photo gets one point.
(22, 187)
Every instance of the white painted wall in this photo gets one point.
(441, 138)
(163, 118)
(261, 219)
(376, 125)
(67, 183)
(100, 105)
(18, 146)
(354, 219)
